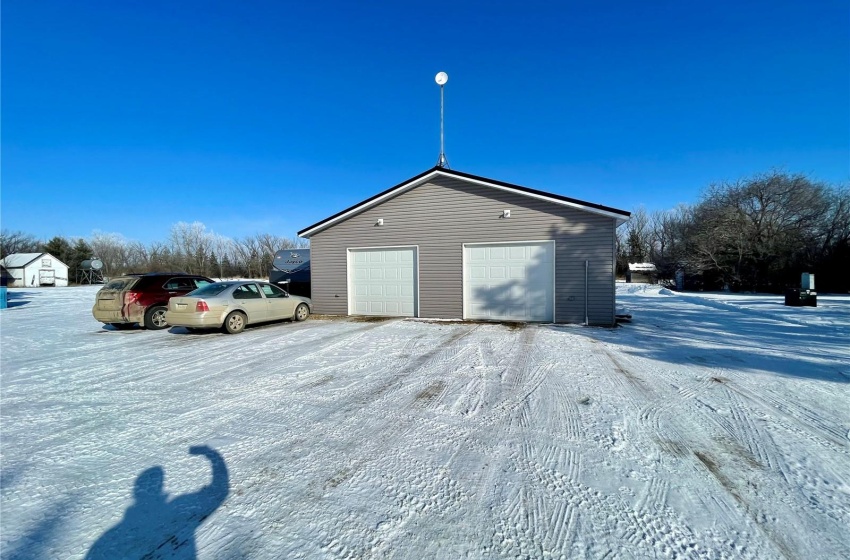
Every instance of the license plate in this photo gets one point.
(182, 306)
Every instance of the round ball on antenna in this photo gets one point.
(441, 78)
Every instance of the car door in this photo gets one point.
(251, 301)
(280, 305)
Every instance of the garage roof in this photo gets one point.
(20, 260)
(619, 215)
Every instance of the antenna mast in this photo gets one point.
(441, 80)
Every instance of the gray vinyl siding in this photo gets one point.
(440, 216)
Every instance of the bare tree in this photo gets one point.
(248, 256)
(668, 240)
(12, 242)
(138, 257)
(755, 233)
(193, 243)
(634, 240)
(111, 249)
(836, 221)
(224, 250)
(162, 258)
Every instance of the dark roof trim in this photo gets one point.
(619, 215)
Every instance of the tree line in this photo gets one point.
(755, 234)
(190, 247)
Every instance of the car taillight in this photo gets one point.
(130, 297)
(201, 306)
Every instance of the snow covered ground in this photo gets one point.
(712, 426)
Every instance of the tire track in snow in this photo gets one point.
(351, 468)
(557, 522)
(809, 506)
(505, 404)
(484, 362)
(798, 417)
(348, 469)
(746, 431)
(728, 463)
(528, 519)
(740, 451)
(626, 386)
(604, 521)
(686, 438)
(267, 385)
(509, 370)
(566, 422)
(653, 495)
(807, 417)
(252, 412)
(408, 489)
(469, 402)
(744, 500)
(521, 378)
(440, 356)
(145, 364)
(558, 404)
(649, 406)
(546, 407)
(650, 410)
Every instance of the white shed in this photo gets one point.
(30, 270)
(642, 272)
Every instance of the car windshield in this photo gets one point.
(211, 289)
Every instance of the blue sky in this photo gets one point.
(267, 116)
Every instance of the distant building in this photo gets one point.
(642, 272)
(31, 270)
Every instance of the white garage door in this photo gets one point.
(382, 281)
(509, 281)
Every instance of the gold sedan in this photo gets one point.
(232, 305)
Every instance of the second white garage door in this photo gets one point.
(382, 281)
(509, 281)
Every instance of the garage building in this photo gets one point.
(31, 270)
(451, 245)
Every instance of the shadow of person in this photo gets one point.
(158, 527)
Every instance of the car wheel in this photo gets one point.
(155, 317)
(121, 326)
(302, 312)
(234, 323)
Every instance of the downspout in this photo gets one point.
(586, 265)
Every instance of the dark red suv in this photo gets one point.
(142, 298)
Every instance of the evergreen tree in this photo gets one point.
(79, 252)
(212, 268)
(60, 248)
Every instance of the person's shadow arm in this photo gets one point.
(207, 499)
